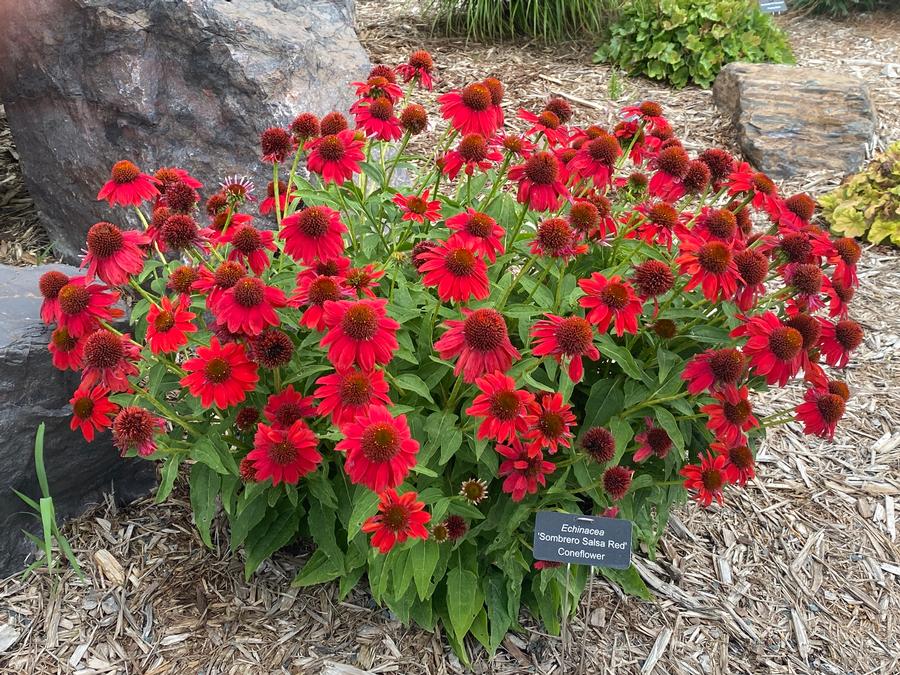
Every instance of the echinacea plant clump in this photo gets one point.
(405, 371)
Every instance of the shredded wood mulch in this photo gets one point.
(798, 573)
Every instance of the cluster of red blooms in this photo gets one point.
(567, 178)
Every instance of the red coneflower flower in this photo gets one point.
(710, 264)
(333, 123)
(473, 152)
(568, 339)
(328, 267)
(502, 406)
(267, 205)
(276, 144)
(739, 463)
(608, 300)
(707, 478)
(220, 374)
(380, 450)
(731, 416)
(304, 127)
(168, 325)
(844, 254)
(50, 284)
(414, 119)
(596, 159)
(249, 306)
(135, 427)
(806, 280)
(653, 441)
(381, 84)
(584, 217)
(91, 411)
(697, 178)
(272, 348)
(774, 349)
(839, 297)
(180, 232)
(617, 481)
(712, 369)
(246, 419)
(718, 224)
(522, 469)
(456, 270)
(376, 118)
(179, 197)
(550, 423)
(418, 208)
(719, 162)
(672, 164)
(67, 351)
(650, 112)
(399, 517)
(471, 110)
(284, 454)
(456, 527)
(214, 284)
(419, 67)
(599, 444)
(359, 332)
(653, 278)
(315, 233)
(363, 280)
(108, 359)
(753, 268)
(335, 157)
(288, 406)
(249, 246)
(796, 211)
(556, 238)
(820, 412)
(82, 304)
(350, 393)
(313, 292)
(480, 341)
(546, 123)
(181, 279)
(113, 254)
(168, 175)
(659, 221)
(743, 179)
(128, 186)
(838, 340)
(515, 145)
(477, 231)
(541, 181)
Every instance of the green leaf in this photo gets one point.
(248, 517)
(604, 400)
(667, 421)
(168, 474)
(464, 600)
(628, 580)
(204, 489)
(622, 357)
(319, 569)
(412, 382)
(365, 503)
(423, 558)
(270, 535)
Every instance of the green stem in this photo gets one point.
(275, 192)
(514, 283)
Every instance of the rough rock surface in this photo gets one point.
(792, 121)
(189, 83)
(33, 391)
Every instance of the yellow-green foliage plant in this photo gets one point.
(867, 205)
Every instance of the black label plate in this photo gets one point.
(582, 540)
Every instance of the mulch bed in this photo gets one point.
(799, 573)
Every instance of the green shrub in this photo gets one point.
(503, 19)
(868, 204)
(690, 40)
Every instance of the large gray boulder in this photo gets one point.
(190, 83)
(792, 121)
(33, 391)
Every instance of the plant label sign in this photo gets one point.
(582, 540)
(772, 6)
